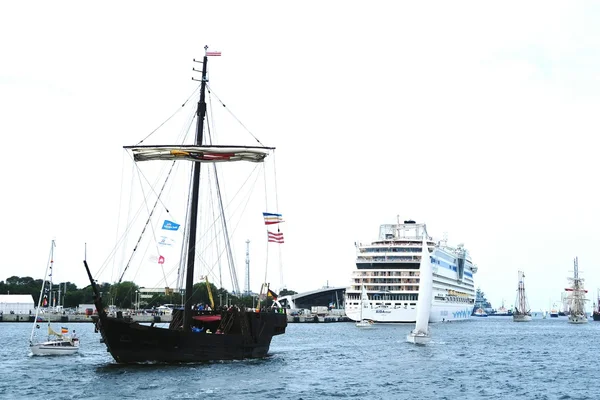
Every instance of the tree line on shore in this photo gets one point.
(122, 295)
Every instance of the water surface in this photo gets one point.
(484, 358)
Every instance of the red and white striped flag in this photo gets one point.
(213, 53)
(275, 237)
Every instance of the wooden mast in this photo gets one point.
(191, 252)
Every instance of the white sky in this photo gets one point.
(478, 119)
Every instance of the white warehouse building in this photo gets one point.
(17, 303)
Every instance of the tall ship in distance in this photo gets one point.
(389, 270)
(522, 311)
(576, 296)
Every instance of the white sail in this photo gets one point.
(364, 303)
(425, 291)
(364, 300)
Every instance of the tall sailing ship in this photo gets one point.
(389, 269)
(194, 333)
(576, 296)
(522, 311)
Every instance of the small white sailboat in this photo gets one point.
(364, 300)
(577, 298)
(421, 333)
(56, 343)
(522, 312)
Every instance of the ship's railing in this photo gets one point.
(387, 259)
(394, 244)
(386, 281)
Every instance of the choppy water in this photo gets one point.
(485, 358)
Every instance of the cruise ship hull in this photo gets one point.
(388, 269)
(440, 312)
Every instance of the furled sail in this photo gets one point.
(52, 332)
(199, 153)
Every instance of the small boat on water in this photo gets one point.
(364, 323)
(56, 344)
(522, 312)
(480, 312)
(554, 311)
(422, 334)
(364, 303)
(502, 311)
(481, 302)
(596, 307)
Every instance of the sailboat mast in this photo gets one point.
(191, 252)
(51, 265)
(37, 310)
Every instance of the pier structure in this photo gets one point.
(320, 305)
(330, 297)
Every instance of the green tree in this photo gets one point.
(124, 294)
(73, 298)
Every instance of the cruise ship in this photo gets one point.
(389, 269)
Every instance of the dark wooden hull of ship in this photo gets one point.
(131, 342)
(596, 316)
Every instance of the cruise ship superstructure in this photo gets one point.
(389, 269)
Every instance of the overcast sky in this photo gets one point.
(477, 119)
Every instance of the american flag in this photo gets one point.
(275, 237)
(213, 53)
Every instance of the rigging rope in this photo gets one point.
(277, 208)
(148, 220)
(172, 115)
(215, 219)
(267, 228)
(119, 213)
(233, 115)
(158, 199)
(122, 240)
